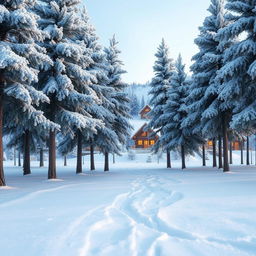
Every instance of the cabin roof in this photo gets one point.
(140, 130)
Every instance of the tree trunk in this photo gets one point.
(26, 163)
(242, 151)
(114, 159)
(79, 168)
(92, 157)
(248, 151)
(106, 165)
(41, 158)
(52, 156)
(214, 156)
(14, 156)
(204, 160)
(65, 160)
(2, 179)
(220, 153)
(19, 158)
(168, 159)
(230, 153)
(183, 157)
(225, 144)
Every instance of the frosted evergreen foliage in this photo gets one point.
(203, 104)
(174, 135)
(119, 96)
(68, 82)
(237, 76)
(160, 85)
(21, 59)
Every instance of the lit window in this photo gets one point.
(152, 142)
(145, 142)
(210, 143)
(140, 142)
(144, 134)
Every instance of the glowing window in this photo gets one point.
(152, 142)
(140, 142)
(210, 143)
(145, 142)
(144, 134)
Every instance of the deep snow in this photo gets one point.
(137, 209)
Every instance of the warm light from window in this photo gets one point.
(140, 143)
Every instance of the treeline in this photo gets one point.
(58, 87)
(218, 102)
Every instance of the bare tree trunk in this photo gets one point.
(79, 168)
(230, 153)
(92, 157)
(225, 144)
(168, 154)
(220, 153)
(14, 156)
(2, 179)
(19, 158)
(106, 165)
(248, 151)
(183, 157)
(114, 159)
(242, 151)
(26, 164)
(65, 160)
(214, 156)
(41, 157)
(52, 156)
(204, 160)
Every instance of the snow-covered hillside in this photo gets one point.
(138, 208)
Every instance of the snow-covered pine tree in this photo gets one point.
(205, 117)
(67, 84)
(142, 103)
(134, 105)
(160, 84)
(105, 138)
(20, 60)
(175, 136)
(119, 96)
(238, 75)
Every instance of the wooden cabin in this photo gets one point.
(144, 112)
(144, 139)
(235, 145)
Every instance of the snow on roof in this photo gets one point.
(137, 124)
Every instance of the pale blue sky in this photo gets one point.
(139, 26)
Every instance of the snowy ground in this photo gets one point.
(137, 209)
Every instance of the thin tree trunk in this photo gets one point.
(168, 159)
(114, 159)
(220, 153)
(2, 179)
(106, 165)
(26, 164)
(92, 157)
(230, 153)
(41, 157)
(183, 157)
(225, 144)
(14, 156)
(79, 168)
(204, 160)
(242, 151)
(19, 158)
(214, 156)
(248, 151)
(52, 156)
(65, 160)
